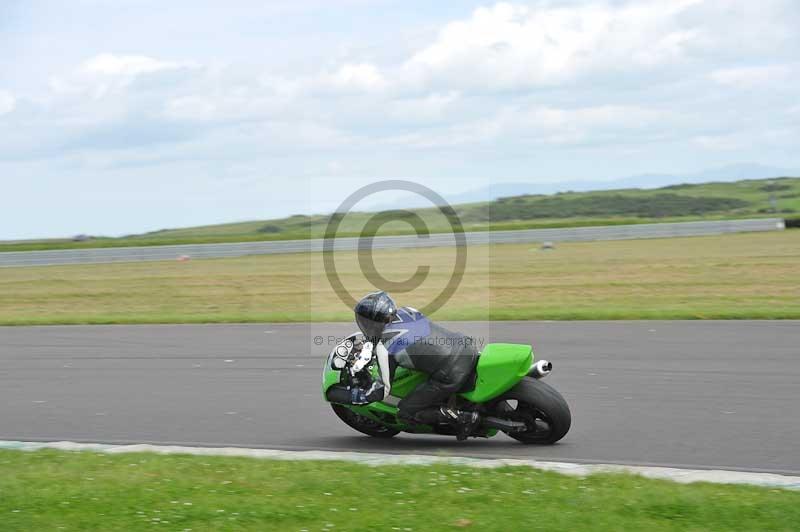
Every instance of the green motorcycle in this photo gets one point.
(506, 389)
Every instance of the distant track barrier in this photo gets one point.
(240, 249)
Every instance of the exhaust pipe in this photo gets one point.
(540, 369)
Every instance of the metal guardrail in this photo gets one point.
(239, 249)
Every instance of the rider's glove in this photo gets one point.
(360, 396)
(362, 359)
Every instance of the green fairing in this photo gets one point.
(405, 381)
(500, 367)
(329, 378)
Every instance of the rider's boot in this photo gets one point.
(464, 421)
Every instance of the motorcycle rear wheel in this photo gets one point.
(539, 406)
(363, 424)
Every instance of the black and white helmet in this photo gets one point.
(373, 312)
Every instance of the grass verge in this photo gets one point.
(52, 490)
(718, 277)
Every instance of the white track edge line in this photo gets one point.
(683, 476)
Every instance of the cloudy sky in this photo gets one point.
(120, 116)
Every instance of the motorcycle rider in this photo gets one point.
(405, 337)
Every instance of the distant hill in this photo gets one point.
(511, 210)
(728, 173)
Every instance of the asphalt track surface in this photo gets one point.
(699, 394)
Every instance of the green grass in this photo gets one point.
(50, 490)
(720, 277)
(708, 201)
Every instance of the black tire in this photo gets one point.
(540, 406)
(362, 424)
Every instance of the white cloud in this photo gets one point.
(509, 46)
(128, 65)
(191, 108)
(543, 44)
(106, 73)
(227, 102)
(563, 48)
(543, 125)
(7, 102)
(754, 76)
(489, 85)
(427, 108)
(346, 78)
(355, 76)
